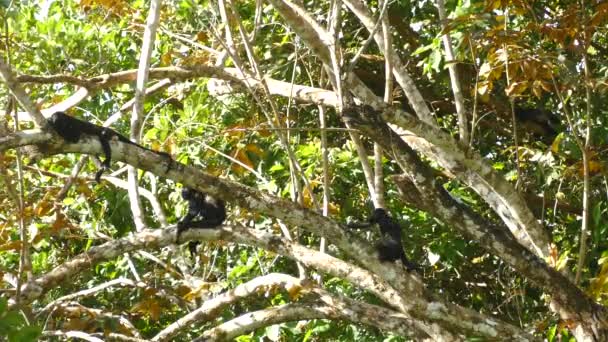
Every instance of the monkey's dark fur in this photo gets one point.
(71, 130)
(541, 123)
(389, 246)
(211, 213)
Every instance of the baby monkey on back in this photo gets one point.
(204, 212)
(389, 247)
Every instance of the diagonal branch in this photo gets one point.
(417, 304)
(499, 241)
(6, 73)
(345, 308)
(469, 167)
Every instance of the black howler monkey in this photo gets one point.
(389, 247)
(211, 213)
(541, 123)
(71, 130)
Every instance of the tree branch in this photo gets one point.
(349, 309)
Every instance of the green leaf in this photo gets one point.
(27, 334)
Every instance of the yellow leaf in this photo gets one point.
(333, 209)
(537, 90)
(43, 208)
(483, 88)
(548, 87)
(243, 158)
(295, 292)
(85, 3)
(264, 132)
(255, 149)
(307, 198)
(562, 261)
(556, 143)
(196, 58)
(595, 166)
(59, 223)
(516, 88)
(165, 58)
(149, 307)
(485, 70)
(237, 131)
(13, 245)
(202, 290)
(202, 36)
(76, 324)
(477, 260)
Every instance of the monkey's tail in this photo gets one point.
(408, 264)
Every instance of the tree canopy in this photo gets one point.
(478, 125)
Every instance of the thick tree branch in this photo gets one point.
(90, 291)
(463, 122)
(480, 177)
(574, 302)
(346, 308)
(263, 318)
(137, 113)
(24, 138)
(467, 166)
(293, 214)
(420, 308)
(73, 309)
(15, 88)
(71, 334)
(399, 70)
